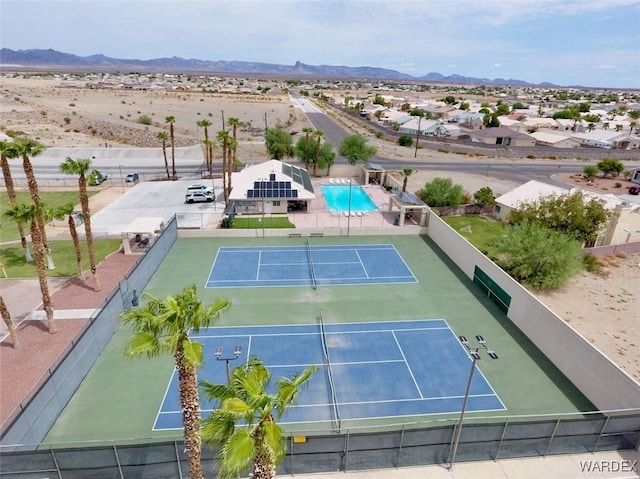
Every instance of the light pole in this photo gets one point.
(349, 212)
(475, 356)
(236, 354)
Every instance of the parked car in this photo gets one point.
(634, 190)
(97, 177)
(132, 178)
(194, 188)
(199, 197)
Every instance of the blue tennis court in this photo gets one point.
(308, 266)
(367, 370)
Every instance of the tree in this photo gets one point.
(318, 134)
(484, 197)
(205, 124)
(305, 150)
(162, 327)
(491, 120)
(279, 143)
(590, 171)
(355, 148)
(80, 167)
(610, 166)
(572, 215)
(441, 192)
(406, 173)
(8, 151)
(244, 422)
(66, 211)
(537, 256)
(234, 122)
(405, 140)
(224, 138)
(26, 148)
(171, 120)
(164, 136)
(326, 156)
(33, 213)
(6, 317)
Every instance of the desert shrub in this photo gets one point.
(531, 157)
(591, 263)
(405, 140)
(144, 120)
(590, 171)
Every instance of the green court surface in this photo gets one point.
(119, 399)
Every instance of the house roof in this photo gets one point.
(499, 131)
(529, 192)
(272, 179)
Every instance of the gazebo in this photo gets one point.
(140, 233)
(409, 205)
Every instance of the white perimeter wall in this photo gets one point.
(605, 384)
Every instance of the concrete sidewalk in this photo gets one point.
(601, 465)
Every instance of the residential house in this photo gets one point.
(527, 193)
(502, 136)
(556, 139)
(609, 139)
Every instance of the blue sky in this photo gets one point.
(566, 42)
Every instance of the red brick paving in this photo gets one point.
(23, 369)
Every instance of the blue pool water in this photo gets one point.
(337, 198)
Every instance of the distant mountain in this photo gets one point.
(53, 60)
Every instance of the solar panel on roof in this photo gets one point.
(272, 176)
(249, 193)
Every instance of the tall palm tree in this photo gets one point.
(231, 165)
(204, 123)
(224, 138)
(307, 130)
(26, 148)
(66, 211)
(244, 423)
(406, 173)
(319, 134)
(234, 122)
(209, 146)
(9, 151)
(164, 136)
(6, 317)
(162, 327)
(33, 213)
(80, 167)
(171, 120)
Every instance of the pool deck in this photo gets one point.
(319, 216)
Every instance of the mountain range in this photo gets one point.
(46, 60)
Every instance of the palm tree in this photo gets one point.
(209, 146)
(224, 138)
(244, 423)
(171, 120)
(164, 136)
(406, 173)
(33, 213)
(26, 148)
(234, 122)
(80, 167)
(6, 317)
(319, 134)
(67, 211)
(204, 123)
(9, 151)
(162, 327)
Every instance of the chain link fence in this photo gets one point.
(418, 444)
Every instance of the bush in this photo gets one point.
(144, 120)
(591, 263)
(590, 171)
(405, 140)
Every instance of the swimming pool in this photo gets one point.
(337, 198)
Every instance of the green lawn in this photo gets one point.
(53, 199)
(64, 258)
(478, 230)
(247, 222)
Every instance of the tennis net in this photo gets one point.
(313, 273)
(332, 387)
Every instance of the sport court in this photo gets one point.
(308, 266)
(525, 381)
(369, 370)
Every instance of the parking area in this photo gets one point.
(158, 199)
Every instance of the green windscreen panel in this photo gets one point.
(489, 286)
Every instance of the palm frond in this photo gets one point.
(274, 438)
(236, 455)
